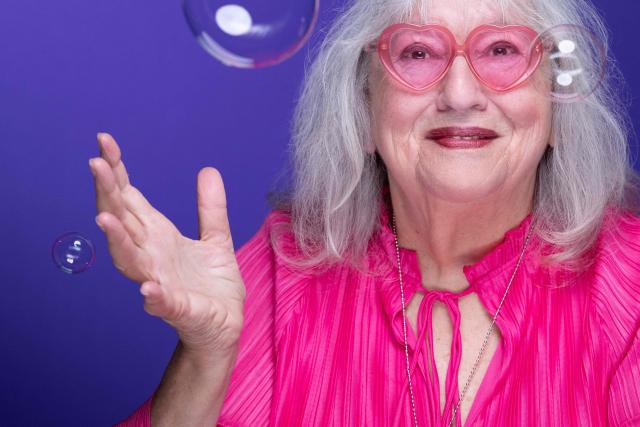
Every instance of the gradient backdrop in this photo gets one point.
(80, 350)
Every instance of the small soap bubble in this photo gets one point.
(72, 253)
(576, 60)
(251, 33)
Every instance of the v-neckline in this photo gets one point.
(488, 278)
(492, 373)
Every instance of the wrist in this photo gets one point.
(208, 359)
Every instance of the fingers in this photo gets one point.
(108, 194)
(116, 195)
(110, 151)
(122, 248)
(212, 207)
(109, 198)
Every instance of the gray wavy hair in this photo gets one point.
(334, 198)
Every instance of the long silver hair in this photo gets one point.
(334, 197)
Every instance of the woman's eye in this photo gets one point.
(415, 52)
(503, 50)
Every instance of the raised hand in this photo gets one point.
(194, 285)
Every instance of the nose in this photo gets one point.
(460, 90)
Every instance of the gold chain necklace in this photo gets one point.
(486, 338)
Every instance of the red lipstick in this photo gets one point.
(462, 137)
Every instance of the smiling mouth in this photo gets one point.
(462, 137)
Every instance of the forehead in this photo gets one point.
(461, 16)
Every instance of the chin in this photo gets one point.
(463, 195)
(457, 190)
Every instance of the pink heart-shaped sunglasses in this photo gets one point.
(419, 56)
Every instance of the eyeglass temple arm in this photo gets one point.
(371, 47)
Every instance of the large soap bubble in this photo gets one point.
(251, 33)
(576, 61)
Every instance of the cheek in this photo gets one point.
(529, 106)
(530, 115)
(394, 112)
(394, 117)
(530, 118)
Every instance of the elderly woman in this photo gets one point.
(456, 249)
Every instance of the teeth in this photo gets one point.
(466, 138)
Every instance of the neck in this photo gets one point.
(447, 236)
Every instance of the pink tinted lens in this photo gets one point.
(501, 57)
(419, 57)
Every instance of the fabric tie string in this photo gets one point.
(425, 324)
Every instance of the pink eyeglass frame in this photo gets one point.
(382, 46)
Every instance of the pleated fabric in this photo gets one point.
(325, 347)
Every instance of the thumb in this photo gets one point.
(163, 303)
(156, 301)
(212, 207)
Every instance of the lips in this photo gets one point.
(462, 137)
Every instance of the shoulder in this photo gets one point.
(272, 285)
(270, 302)
(616, 277)
(617, 251)
(620, 233)
(261, 240)
(617, 301)
(271, 246)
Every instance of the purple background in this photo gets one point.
(81, 350)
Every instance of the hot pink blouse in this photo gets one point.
(327, 349)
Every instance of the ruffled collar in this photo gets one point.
(488, 277)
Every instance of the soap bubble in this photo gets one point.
(251, 33)
(576, 59)
(72, 253)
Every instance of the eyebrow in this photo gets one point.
(494, 22)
